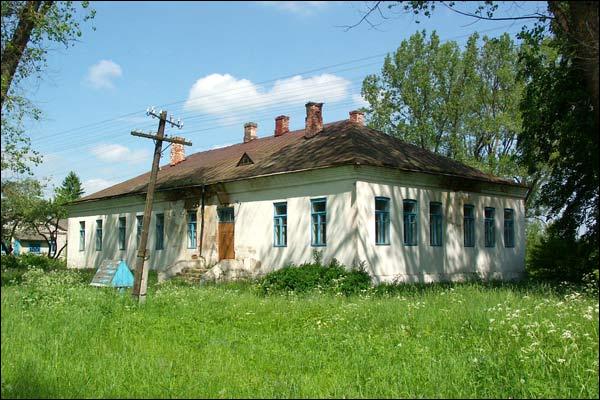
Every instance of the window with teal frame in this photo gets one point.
(191, 231)
(490, 230)
(319, 222)
(509, 227)
(435, 223)
(122, 230)
(469, 225)
(382, 220)
(98, 235)
(81, 235)
(280, 224)
(140, 222)
(410, 222)
(160, 231)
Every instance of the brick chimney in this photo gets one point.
(177, 152)
(282, 125)
(250, 131)
(314, 119)
(357, 117)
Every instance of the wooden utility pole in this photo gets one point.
(140, 282)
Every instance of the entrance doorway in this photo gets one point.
(226, 233)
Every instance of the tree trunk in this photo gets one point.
(11, 56)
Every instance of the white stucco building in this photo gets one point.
(352, 192)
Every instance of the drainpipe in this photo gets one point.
(201, 222)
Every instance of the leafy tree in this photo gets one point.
(18, 199)
(29, 28)
(462, 104)
(561, 137)
(71, 189)
(44, 217)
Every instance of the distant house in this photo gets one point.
(30, 241)
(351, 192)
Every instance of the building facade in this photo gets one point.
(350, 192)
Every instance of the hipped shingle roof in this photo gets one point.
(339, 143)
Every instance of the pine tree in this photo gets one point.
(71, 189)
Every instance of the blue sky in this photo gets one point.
(215, 65)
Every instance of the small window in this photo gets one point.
(469, 225)
(490, 230)
(435, 224)
(122, 227)
(81, 235)
(52, 246)
(225, 214)
(34, 247)
(139, 225)
(319, 222)
(191, 231)
(245, 160)
(410, 222)
(160, 231)
(98, 235)
(382, 220)
(509, 227)
(280, 225)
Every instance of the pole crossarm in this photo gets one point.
(164, 139)
(159, 115)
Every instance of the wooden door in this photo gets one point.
(226, 235)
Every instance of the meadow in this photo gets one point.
(63, 338)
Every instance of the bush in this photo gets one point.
(558, 257)
(28, 260)
(333, 278)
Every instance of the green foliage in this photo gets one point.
(560, 138)
(559, 257)
(459, 103)
(24, 209)
(46, 24)
(71, 189)
(29, 260)
(331, 278)
(18, 199)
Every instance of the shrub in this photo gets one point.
(9, 261)
(333, 278)
(28, 260)
(560, 257)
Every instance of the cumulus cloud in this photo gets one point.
(296, 7)
(102, 74)
(112, 152)
(228, 97)
(96, 184)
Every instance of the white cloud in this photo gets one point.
(96, 184)
(112, 152)
(102, 74)
(234, 99)
(296, 7)
(360, 101)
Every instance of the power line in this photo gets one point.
(261, 103)
(270, 81)
(336, 107)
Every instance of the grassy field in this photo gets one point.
(62, 338)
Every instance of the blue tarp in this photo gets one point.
(113, 273)
(123, 276)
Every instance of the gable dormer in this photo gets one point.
(245, 160)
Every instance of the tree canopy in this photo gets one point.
(29, 30)
(463, 104)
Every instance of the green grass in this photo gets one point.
(62, 338)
